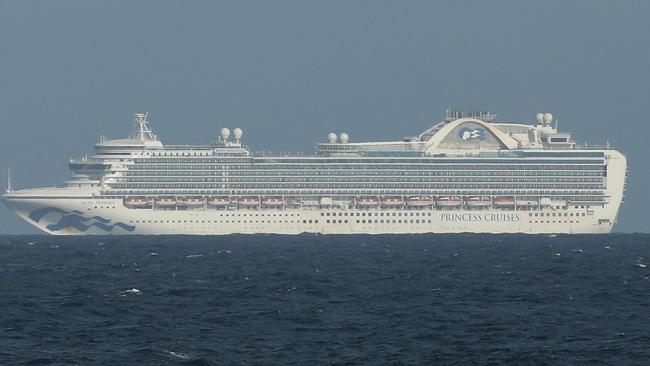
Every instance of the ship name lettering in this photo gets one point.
(96, 202)
(474, 217)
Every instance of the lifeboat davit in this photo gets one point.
(418, 201)
(218, 201)
(248, 201)
(504, 201)
(528, 202)
(369, 201)
(136, 202)
(166, 201)
(297, 201)
(392, 201)
(479, 201)
(191, 201)
(272, 201)
(449, 201)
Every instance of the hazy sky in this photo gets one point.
(289, 72)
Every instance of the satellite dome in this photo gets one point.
(540, 118)
(225, 133)
(344, 138)
(548, 118)
(237, 132)
(332, 137)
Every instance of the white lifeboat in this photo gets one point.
(166, 201)
(248, 201)
(479, 201)
(367, 201)
(218, 201)
(272, 201)
(504, 201)
(391, 201)
(449, 201)
(191, 201)
(136, 202)
(418, 201)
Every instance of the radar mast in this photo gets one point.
(141, 130)
(9, 189)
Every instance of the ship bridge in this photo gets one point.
(141, 139)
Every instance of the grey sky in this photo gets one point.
(289, 72)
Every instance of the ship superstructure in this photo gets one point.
(465, 174)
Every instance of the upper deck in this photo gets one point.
(457, 135)
(460, 134)
(468, 156)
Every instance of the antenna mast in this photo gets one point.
(141, 130)
(9, 188)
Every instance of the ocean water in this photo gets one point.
(325, 300)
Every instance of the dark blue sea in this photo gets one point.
(325, 300)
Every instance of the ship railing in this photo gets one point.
(282, 154)
(204, 147)
(580, 147)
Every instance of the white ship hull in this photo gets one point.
(80, 216)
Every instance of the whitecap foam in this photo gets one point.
(178, 355)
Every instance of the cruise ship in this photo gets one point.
(467, 173)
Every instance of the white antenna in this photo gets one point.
(9, 188)
(141, 129)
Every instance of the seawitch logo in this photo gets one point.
(468, 134)
(75, 219)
